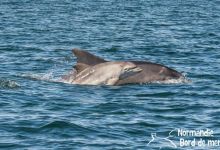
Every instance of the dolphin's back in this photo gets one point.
(150, 71)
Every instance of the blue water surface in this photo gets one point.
(36, 38)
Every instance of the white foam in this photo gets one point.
(45, 77)
(180, 80)
(9, 84)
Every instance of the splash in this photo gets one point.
(180, 80)
(68, 78)
(43, 76)
(4, 83)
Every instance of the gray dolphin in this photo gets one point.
(151, 72)
(107, 73)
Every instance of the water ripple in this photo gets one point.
(36, 38)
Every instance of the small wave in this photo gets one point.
(66, 125)
(59, 124)
(51, 60)
(56, 125)
(112, 49)
(164, 94)
(8, 84)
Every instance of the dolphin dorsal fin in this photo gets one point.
(87, 58)
(80, 67)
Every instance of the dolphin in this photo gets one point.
(107, 73)
(151, 72)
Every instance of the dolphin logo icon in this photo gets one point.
(155, 138)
